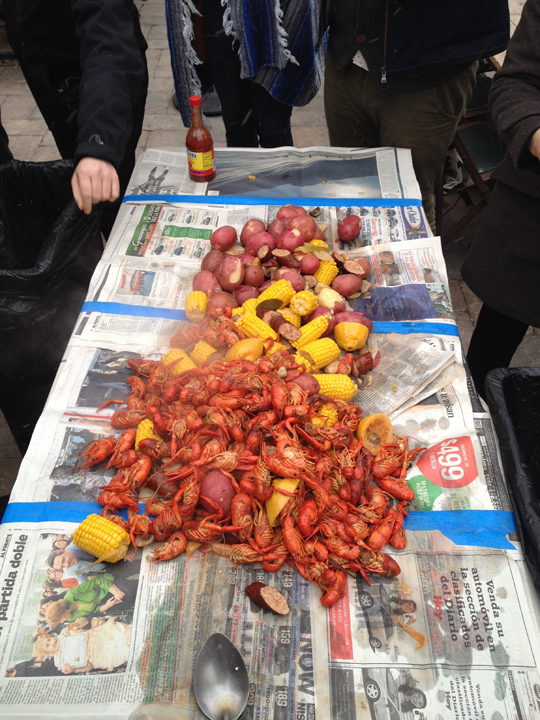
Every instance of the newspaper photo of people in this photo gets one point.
(77, 614)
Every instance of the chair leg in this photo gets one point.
(473, 172)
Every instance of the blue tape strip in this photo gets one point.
(253, 200)
(478, 528)
(403, 328)
(110, 308)
(36, 512)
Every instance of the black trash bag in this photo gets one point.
(48, 252)
(513, 396)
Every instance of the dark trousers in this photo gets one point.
(424, 120)
(251, 115)
(495, 339)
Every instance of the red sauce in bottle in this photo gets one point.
(200, 146)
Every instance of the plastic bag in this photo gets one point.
(48, 252)
(514, 399)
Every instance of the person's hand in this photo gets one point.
(94, 181)
(110, 602)
(534, 144)
(68, 669)
(116, 593)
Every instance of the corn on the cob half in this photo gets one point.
(311, 331)
(145, 429)
(339, 386)
(177, 361)
(320, 352)
(327, 416)
(236, 311)
(327, 272)
(319, 243)
(102, 538)
(250, 305)
(303, 361)
(274, 347)
(195, 306)
(304, 302)
(291, 316)
(252, 326)
(201, 351)
(281, 290)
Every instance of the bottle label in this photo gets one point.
(201, 163)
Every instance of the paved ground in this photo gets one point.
(30, 140)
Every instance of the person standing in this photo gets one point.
(399, 73)
(502, 266)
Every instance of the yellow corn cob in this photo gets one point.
(252, 326)
(327, 416)
(320, 352)
(195, 306)
(311, 331)
(339, 386)
(181, 361)
(276, 347)
(237, 311)
(201, 351)
(291, 316)
(319, 243)
(327, 272)
(282, 290)
(304, 302)
(303, 361)
(102, 538)
(146, 429)
(250, 305)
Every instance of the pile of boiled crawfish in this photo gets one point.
(245, 419)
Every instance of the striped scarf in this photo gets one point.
(278, 47)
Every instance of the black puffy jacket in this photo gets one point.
(409, 44)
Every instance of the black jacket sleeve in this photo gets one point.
(114, 76)
(515, 93)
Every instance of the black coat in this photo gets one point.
(84, 61)
(416, 43)
(503, 264)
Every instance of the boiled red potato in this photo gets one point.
(351, 316)
(206, 282)
(212, 260)
(306, 225)
(347, 285)
(349, 228)
(296, 280)
(223, 238)
(309, 264)
(216, 486)
(247, 258)
(287, 212)
(231, 273)
(252, 226)
(253, 275)
(257, 242)
(290, 240)
(306, 381)
(358, 266)
(277, 227)
(245, 292)
(221, 300)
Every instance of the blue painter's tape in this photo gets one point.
(477, 528)
(37, 512)
(252, 200)
(110, 308)
(407, 328)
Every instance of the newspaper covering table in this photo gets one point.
(455, 635)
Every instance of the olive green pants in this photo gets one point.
(424, 121)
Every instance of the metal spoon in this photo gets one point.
(220, 680)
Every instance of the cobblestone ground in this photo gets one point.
(30, 140)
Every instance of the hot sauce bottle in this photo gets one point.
(200, 146)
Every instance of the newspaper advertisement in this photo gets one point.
(159, 171)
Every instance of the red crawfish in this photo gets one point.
(125, 442)
(379, 563)
(398, 538)
(241, 553)
(174, 546)
(96, 452)
(383, 531)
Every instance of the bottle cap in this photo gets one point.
(195, 100)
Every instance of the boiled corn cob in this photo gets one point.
(327, 416)
(319, 243)
(201, 351)
(274, 347)
(327, 272)
(146, 429)
(102, 538)
(339, 386)
(250, 305)
(195, 306)
(177, 361)
(303, 361)
(291, 316)
(311, 331)
(304, 302)
(252, 326)
(320, 352)
(236, 311)
(281, 290)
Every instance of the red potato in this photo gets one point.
(252, 226)
(331, 299)
(223, 238)
(247, 259)
(286, 259)
(352, 316)
(319, 235)
(259, 240)
(306, 225)
(296, 280)
(245, 292)
(309, 264)
(277, 227)
(349, 228)
(290, 240)
(222, 300)
(322, 310)
(231, 273)
(253, 275)
(206, 282)
(358, 266)
(347, 285)
(266, 284)
(306, 381)
(216, 486)
(287, 212)
(164, 487)
(212, 260)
